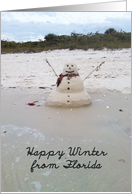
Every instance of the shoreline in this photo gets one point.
(106, 125)
(31, 100)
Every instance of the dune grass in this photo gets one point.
(96, 41)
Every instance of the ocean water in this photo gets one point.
(54, 171)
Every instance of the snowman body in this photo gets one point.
(70, 90)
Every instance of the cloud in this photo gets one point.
(63, 17)
(24, 26)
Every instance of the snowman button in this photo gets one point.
(68, 82)
(68, 78)
(68, 88)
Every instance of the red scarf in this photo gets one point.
(61, 77)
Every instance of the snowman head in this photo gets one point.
(70, 69)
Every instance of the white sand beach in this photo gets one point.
(104, 126)
(31, 70)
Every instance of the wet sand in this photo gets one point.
(104, 126)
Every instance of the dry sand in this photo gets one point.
(103, 125)
(30, 70)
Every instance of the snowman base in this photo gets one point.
(62, 99)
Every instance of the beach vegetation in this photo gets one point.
(110, 31)
(110, 39)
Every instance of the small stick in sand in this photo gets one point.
(51, 67)
(96, 69)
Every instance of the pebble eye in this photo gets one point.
(72, 65)
(67, 65)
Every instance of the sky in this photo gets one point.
(32, 26)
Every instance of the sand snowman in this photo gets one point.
(69, 91)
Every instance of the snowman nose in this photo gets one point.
(69, 67)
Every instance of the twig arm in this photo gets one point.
(51, 67)
(96, 69)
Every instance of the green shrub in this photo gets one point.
(111, 39)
